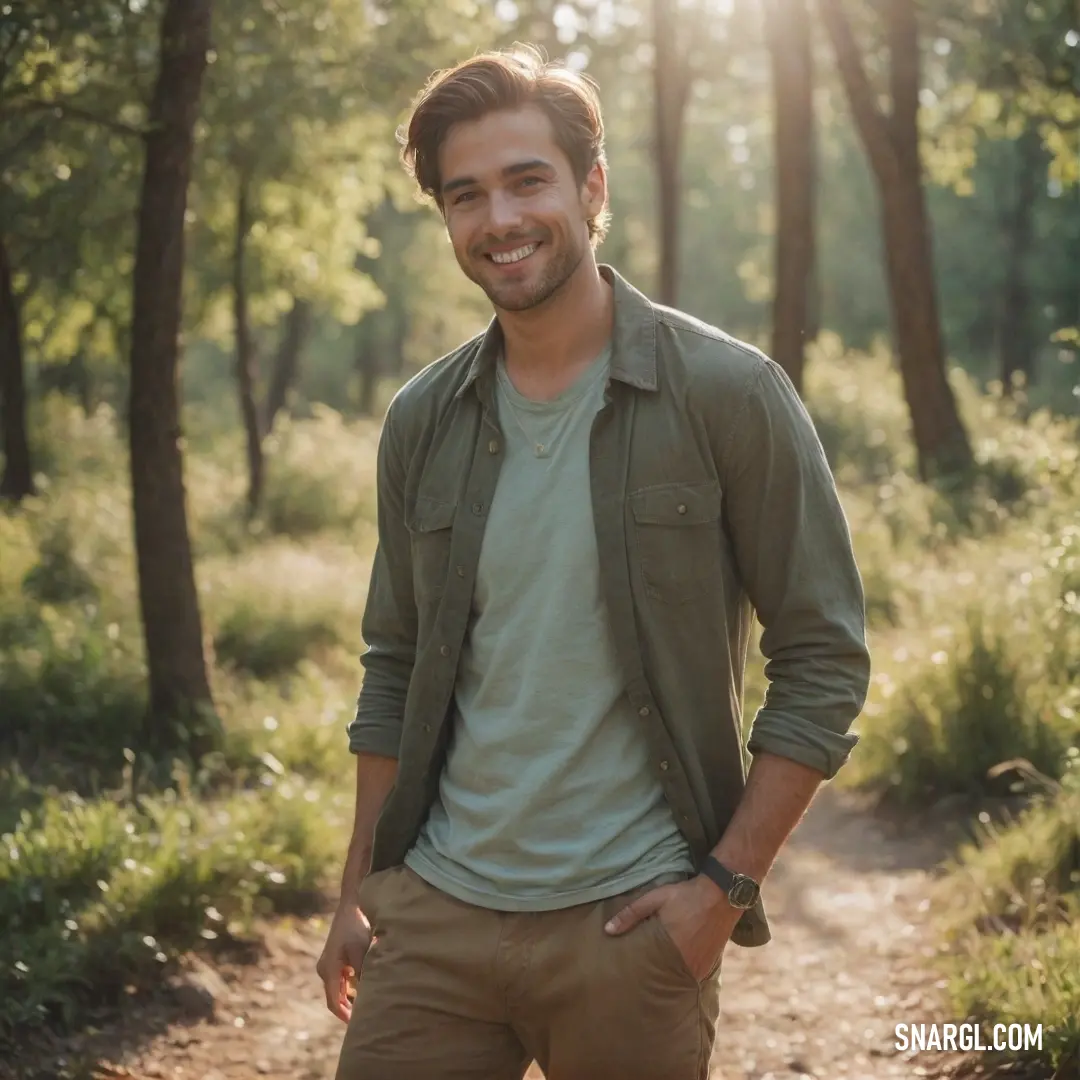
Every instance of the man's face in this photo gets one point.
(516, 216)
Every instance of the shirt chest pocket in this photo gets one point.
(430, 533)
(677, 538)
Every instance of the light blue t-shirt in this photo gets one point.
(547, 798)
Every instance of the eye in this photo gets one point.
(529, 181)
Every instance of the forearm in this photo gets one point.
(777, 794)
(375, 777)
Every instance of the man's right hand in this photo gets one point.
(346, 946)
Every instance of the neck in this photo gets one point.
(568, 329)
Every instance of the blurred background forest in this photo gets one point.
(213, 276)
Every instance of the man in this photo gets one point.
(579, 512)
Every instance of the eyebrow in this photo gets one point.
(533, 165)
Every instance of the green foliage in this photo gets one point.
(115, 858)
(99, 895)
(967, 710)
(1013, 902)
(857, 404)
(973, 602)
(1020, 874)
(71, 689)
(970, 592)
(318, 477)
(58, 577)
(70, 680)
(1025, 979)
(268, 644)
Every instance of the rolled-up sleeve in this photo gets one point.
(795, 557)
(389, 623)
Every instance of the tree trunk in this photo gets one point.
(671, 89)
(17, 483)
(245, 351)
(892, 146)
(367, 367)
(399, 334)
(815, 302)
(940, 439)
(1016, 348)
(787, 28)
(287, 359)
(180, 696)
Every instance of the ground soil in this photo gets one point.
(851, 957)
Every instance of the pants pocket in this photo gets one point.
(670, 953)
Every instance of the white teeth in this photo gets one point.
(514, 256)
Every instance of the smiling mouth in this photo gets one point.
(508, 258)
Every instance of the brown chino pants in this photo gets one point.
(450, 991)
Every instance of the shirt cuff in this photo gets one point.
(374, 736)
(797, 739)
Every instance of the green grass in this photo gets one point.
(117, 853)
(1012, 904)
(973, 604)
(97, 895)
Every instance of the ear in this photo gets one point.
(594, 191)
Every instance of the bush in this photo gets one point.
(964, 710)
(857, 404)
(71, 690)
(320, 476)
(1021, 874)
(1025, 979)
(112, 861)
(1013, 901)
(98, 895)
(278, 605)
(59, 577)
(268, 644)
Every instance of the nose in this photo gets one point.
(504, 212)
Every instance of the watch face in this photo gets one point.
(743, 893)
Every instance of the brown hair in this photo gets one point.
(510, 79)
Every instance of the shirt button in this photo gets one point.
(643, 711)
(478, 508)
(663, 766)
(493, 446)
(681, 508)
(444, 649)
(427, 727)
(460, 570)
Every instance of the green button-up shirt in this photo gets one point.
(712, 501)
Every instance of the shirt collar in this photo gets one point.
(633, 343)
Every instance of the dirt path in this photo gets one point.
(847, 902)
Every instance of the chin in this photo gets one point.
(517, 300)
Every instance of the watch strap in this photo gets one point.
(718, 872)
(727, 880)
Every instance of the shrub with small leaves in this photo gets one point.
(97, 895)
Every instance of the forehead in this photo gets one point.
(483, 148)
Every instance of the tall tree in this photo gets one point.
(286, 362)
(1016, 344)
(787, 31)
(246, 360)
(672, 80)
(891, 142)
(172, 625)
(17, 481)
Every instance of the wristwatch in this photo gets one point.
(742, 891)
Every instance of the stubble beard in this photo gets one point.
(511, 297)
